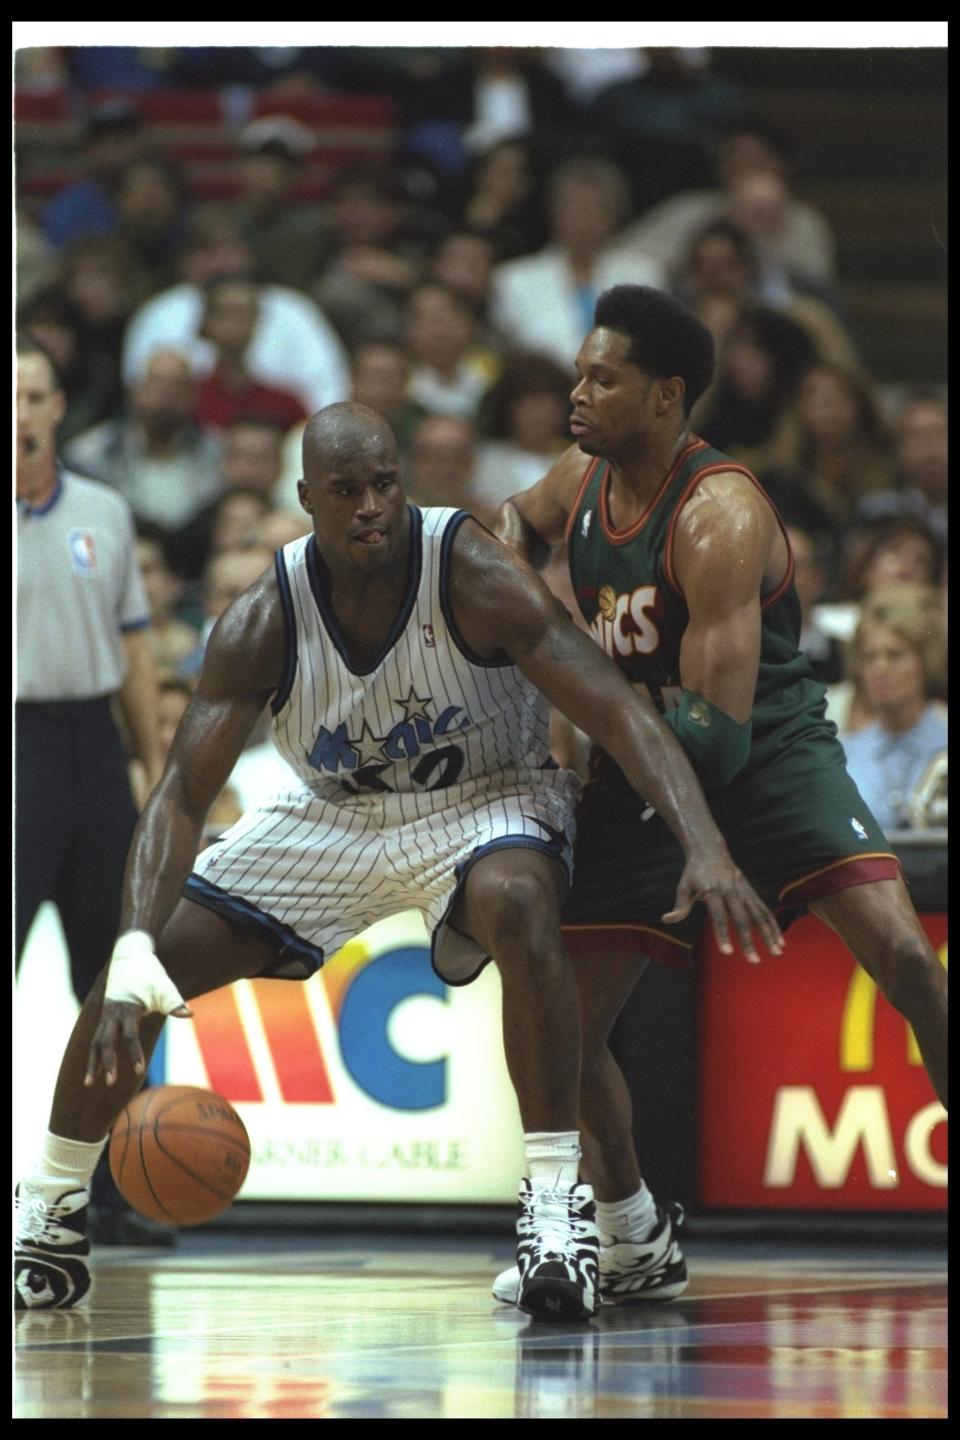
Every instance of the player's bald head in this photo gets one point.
(337, 432)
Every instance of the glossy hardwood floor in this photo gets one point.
(238, 1326)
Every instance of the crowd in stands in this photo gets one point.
(448, 284)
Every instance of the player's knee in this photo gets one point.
(519, 912)
(913, 978)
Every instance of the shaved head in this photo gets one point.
(338, 431)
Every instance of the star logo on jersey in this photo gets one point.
(414, 706)
(368, 747)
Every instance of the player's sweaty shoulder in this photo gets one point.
(726, 508)
(247, 642)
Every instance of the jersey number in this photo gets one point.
(448, 761)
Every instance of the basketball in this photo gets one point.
(179, 1154)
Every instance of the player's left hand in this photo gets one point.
(711, 876)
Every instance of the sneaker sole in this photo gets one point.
(555, 1301)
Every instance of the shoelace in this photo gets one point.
(560, 1233)
(37, 1219)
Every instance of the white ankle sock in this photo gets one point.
(553, 1157)
(64, 1162)
(630, 1219)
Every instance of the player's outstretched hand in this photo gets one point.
(137, 985)
(711, 876)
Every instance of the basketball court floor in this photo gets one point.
(241, 1326)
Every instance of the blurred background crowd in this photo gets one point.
(214, 242)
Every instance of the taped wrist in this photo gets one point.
(717, 747)
(136, 976)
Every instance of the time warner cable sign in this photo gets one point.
(371, 1081)
(813, 1093)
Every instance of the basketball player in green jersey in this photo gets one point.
(682, 569)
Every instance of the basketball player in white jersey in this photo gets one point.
(405, 655)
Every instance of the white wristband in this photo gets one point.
(136, 976)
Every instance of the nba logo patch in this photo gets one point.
(585, 524)
(83, 553)
(428, 637)
(857, 828)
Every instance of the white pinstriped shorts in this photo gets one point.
(312, 874)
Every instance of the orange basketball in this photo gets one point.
(179, 1154)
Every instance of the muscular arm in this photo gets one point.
(728, 549)
(500, 602)
(241, 670)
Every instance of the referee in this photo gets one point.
(81, 641)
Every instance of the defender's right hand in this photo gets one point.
(137, 985)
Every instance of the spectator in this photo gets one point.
(151, 211)
(232, 309)
(545, 302)
(524, 421)
(449, 371)
(294, 347)
(898, 551)
(663, 119)
(374, 255)
(751, 412)
(464, 261)
(252, 454)
(899, 651)
(109, 139)
(801, 240)
(721, 278)
(441, 463)
(285, 233)
(103, 283)
(90, 391)
(170, 639)
(844, 451)
(921, 452)
(503, 201)
(381, 379)
(154, 454)
(248, 475)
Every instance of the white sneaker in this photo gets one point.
(631, 1271)
(557, 1252)
(51, 1271)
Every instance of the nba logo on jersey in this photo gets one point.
(585, 524)
(429, 639)
(83, 554)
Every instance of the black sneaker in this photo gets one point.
(557, 1252)
(51, 1271)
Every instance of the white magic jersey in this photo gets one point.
(412, 770)
(427, 714)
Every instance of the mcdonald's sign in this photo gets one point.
(813, 1093)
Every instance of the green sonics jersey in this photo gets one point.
(629, 595)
